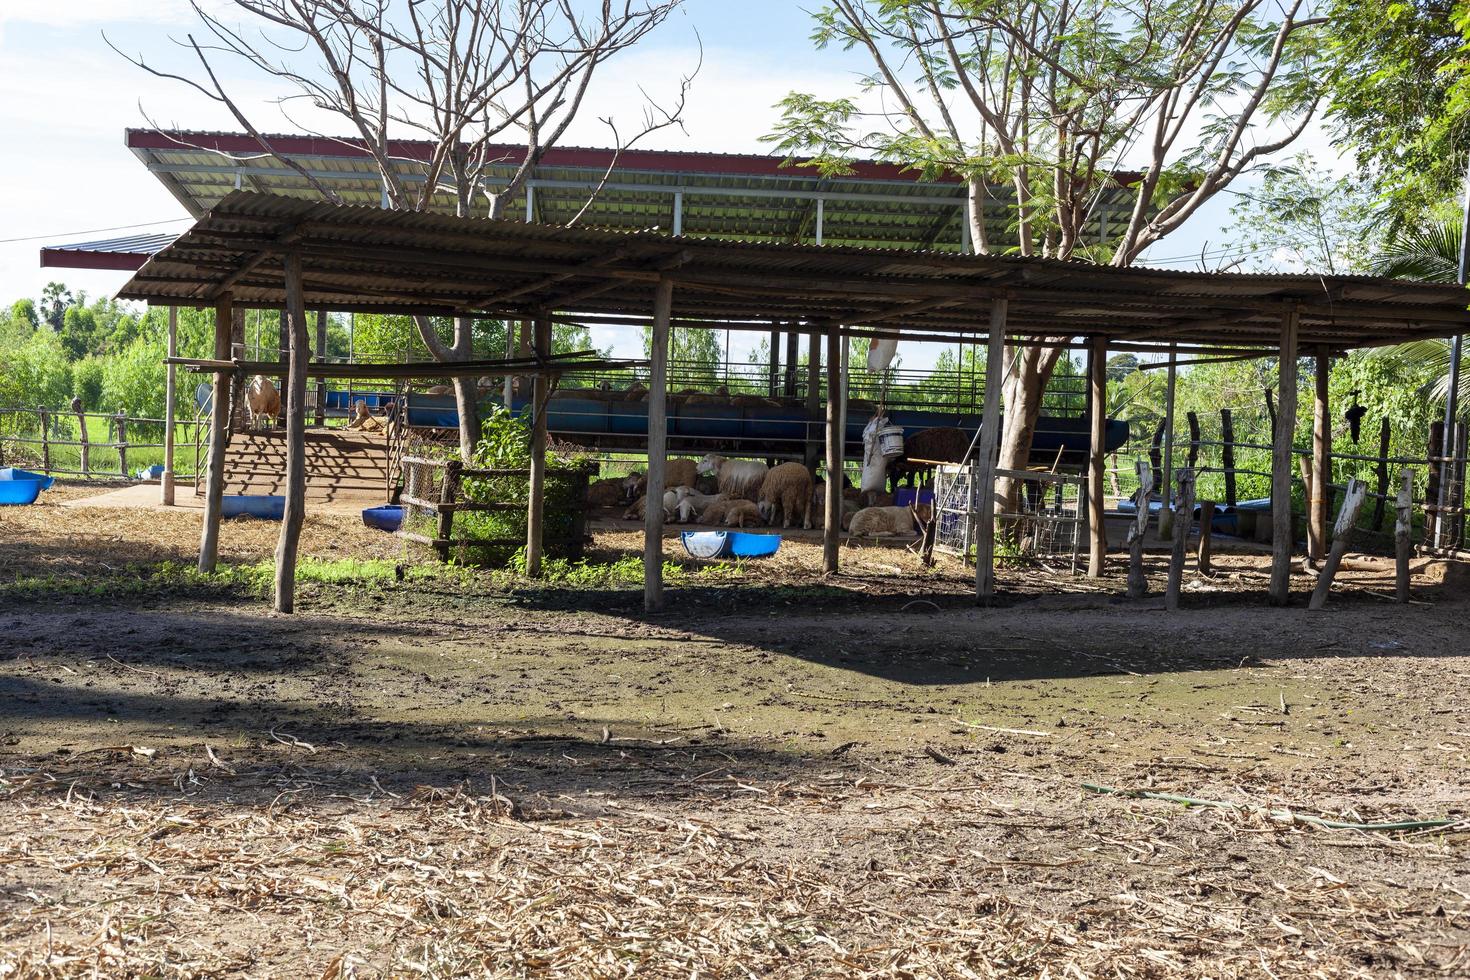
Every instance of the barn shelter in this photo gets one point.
(268, 251)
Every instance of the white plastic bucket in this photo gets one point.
(890, 441)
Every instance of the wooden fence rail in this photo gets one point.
(49, 430)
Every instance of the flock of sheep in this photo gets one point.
(743, 493)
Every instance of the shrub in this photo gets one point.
(86, 382)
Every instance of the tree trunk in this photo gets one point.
(1028, 371)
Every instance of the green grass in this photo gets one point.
(102, 458)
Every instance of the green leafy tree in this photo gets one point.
(55, 298)
(86, 382)
(1036, 104)
(1306, 219)
(1400, 96)
(133, 379)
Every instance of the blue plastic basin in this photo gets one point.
(269, 507)
(730, 544)
(11, 473)
(386, 518)
(19, 492)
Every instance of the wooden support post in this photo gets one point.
(1156, 458)
(1227, 454)
(774, 368)
(1166, 514)
(832, 528)
(1319, 502)
(1281, 452)
(170, 408)
(298, 352)
(658, 444)
(1402, 530)
(1206, 529)
(1380, 473)
(1435, 473)
(1183, 517)
(86, 442)
(536, 494)
(1342, 535)
(985, 463)
(448, 494)
(1193, 419)
(120, 432)
(219, 431)
(321, 356)
(1137, 581)
(793, 340)
(813, 399)
(1097, 362)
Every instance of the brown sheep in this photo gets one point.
(787, 488)
(605, 493)
(740, 513)
(946, 444)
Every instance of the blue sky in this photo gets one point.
(65, 99)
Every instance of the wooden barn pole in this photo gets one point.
(298, 351)
(1097, 532)
(813, 453)
(995, 353)
(170, 406)
(1321, 490)
(1342, 536)
(832, 527)
(1166, 513)
(1281, 522)
(536, 493)
(658, 442)
(321, 356)
(219, 431)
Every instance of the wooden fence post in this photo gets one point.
(1381, 474)
(120, 422)
(1342, 535)
(1193, 419)
(86, 447)
(1281, 453)
(1137, 581)
(1183, 515)
(448, 491)
(1402, 530)
(1206, 526)
(45, 438)
(1227, 454)
(1435, 473)
(1155, 456)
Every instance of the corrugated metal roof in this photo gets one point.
(129, 244)
(744, 196)
(371, 259)
(127, 253)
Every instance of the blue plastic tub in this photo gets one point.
(386, 518)
(269, 507)
(730, 544)
(153, 472)
(11, 473)
(15, 493)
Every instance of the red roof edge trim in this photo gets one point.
(70, 258)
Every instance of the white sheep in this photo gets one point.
(742, 512)
(886, 520)
(787, 488)
(639, 510)
(692, 503)
(735, 477)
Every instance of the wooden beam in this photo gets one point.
(219, 433)
(536, 491)
(989, 443)
(1281, 521)
(832, 528)
(299, 353)
(1097, 531)
(1321, 487)
(658, 392)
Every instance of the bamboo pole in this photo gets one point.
(1281, 520)
(219, 430)
(658, 393)
(984, 519)
(536, 494)
(298, 352)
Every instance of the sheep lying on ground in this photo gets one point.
(715, 512)
(639, 510)
(819, 507)
(741, 513)
(607, 492)
(692, 503)
(677, 473)
(887, 520)
(736, 477)
(787, 488)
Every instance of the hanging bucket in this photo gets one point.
(890, 441)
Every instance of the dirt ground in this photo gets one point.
(784, 775)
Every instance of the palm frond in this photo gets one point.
(1428, 254)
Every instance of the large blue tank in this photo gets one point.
(757, 429)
